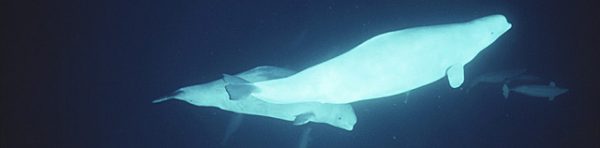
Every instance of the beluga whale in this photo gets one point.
(213, 94)
(549, 91)
(387, 64)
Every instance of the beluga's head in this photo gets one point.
(487, 29)
(208, 94)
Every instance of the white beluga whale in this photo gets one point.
(385, 65)
(213, 94)
(545, 91)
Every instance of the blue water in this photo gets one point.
(83, 74)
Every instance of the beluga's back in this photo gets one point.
(387, 64)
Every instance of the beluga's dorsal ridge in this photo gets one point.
(387, 64)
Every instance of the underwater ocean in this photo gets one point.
(150, 74)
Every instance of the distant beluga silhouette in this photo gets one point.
(545, 91)
(385, 65)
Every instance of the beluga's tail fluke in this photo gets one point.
(237, 88)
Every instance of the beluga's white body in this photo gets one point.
(213, 94)
(385, 65)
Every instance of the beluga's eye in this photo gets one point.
(339, 118)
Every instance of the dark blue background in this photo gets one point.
(83, 73)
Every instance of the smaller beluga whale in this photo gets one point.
(545, 91)
(213, 94)
(387, 64)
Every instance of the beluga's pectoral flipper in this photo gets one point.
(456, 75)
(303, 118)
(237, 88)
